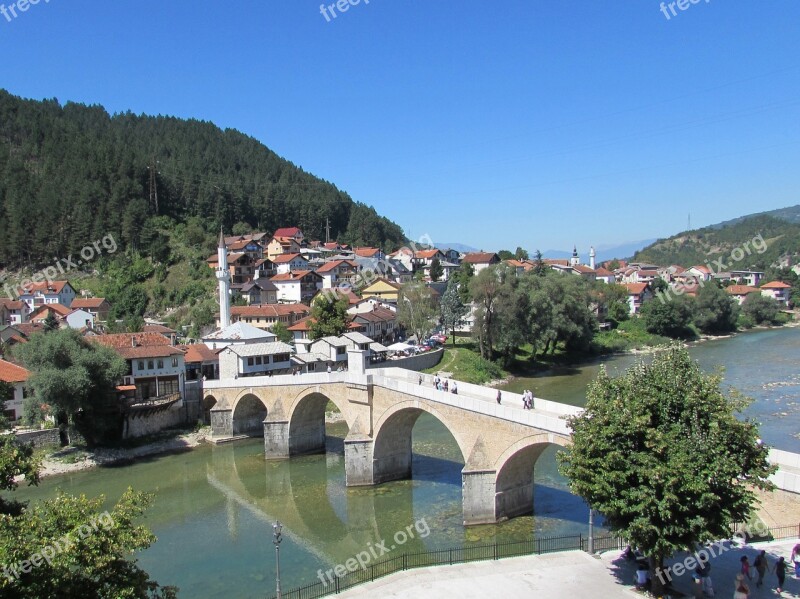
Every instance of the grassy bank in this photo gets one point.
(465, 363)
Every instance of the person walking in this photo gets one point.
(454, 388)
(499, 397)
(746, 568)
(780, 572)
(761, 567)
(742, 592)
(796, 559)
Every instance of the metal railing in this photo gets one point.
(447, 557)
(473, 553)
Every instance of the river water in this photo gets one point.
(215, 505)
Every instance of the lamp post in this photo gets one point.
(277, 541)
(591, 531)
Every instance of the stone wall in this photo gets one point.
(415, 363)
(139, 426)
(43, 438)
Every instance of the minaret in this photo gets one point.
(224, 278)
(575, 261)
(591, 258)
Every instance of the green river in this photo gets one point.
(215, 505)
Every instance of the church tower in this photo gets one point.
(575, 260)
(592, 256)
(224, 278)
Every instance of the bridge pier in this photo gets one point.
(478, 496)
(276, 439)
(221, 422)
(358, 461)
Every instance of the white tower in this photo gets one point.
(575, 260)
(591, 258)
(224, 278)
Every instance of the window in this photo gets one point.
(174, 362)
(250, 361)
(266, 359)
(141, 364)
(150, 365)
(258, 360)
(161, 363)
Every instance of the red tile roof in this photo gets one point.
(636, 288)
(157, 328)
(286, 232)
(45, 287)
(776, 285)
(291, 276)
(42, 311)
(426, 254)
(329, 266)
(128, 340)
(741, 290)
(480, 258)
(366, 252)
(604, 272)
(273, 310)
(198, 353)
(583, 269)
(12, 304)
(11, 373)
(285, 258)
(80, 303)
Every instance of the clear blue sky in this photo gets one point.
(496, 124)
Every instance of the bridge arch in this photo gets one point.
(307, 421)
(249, 412)
(391, 451)
(209, 401)
(515, 469)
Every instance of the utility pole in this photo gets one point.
(153, 184)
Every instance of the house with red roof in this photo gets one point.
(96, 306)
(13, 311)
(367, 252)
(296, 287)
(338, 272)
(156, 368)
(481, 260)
(638, 294)
(43, 312)
(16, 376)
(265, 316)
(47, 292)
(202, 362)
(289, 263)
(779, 291)
(740, 292)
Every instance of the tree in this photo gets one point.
(66, 547)
(329, 317)
(613, 265)
(540, 269)
(521, 254)
(453, 309)
(6, 394)
(505, 255)
(436, 270)
(660, 453)
(77, 380)
(715, 311)
(283, 333)
(50, 323)
(761, 309)
(462, 277)
(416, 309)
(484, 288)
(670, 318)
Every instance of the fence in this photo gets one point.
(474, 553)
(448, 557)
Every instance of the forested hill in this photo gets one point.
(71, 174)
(781, 235)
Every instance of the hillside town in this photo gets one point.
(265, 279)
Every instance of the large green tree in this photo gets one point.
(670, 318)
(329, 317)
(417, 310)
(661, 454)
(76, 379)
(715, 311)
(66, 547)
(452, 309)
(436, 270)
(760, 309)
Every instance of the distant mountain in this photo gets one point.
(757, 241)
(604, 252)
(459, 247)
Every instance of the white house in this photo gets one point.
(337, 272)
(13, 311)
(239, 333)
(296, 287)
(257, 359)
(15, 376)
(638, 294)
(53, 292)
(79, 319)
(778, 291)
(289, 263)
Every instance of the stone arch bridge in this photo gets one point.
(499, 443)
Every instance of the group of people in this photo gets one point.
(441, 384)
(527, 399)
(761, 566)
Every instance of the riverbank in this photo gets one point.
(74, 459)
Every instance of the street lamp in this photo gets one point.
(277, 541)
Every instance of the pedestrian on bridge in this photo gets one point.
(499, 396)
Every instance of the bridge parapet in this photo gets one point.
(787, 477)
